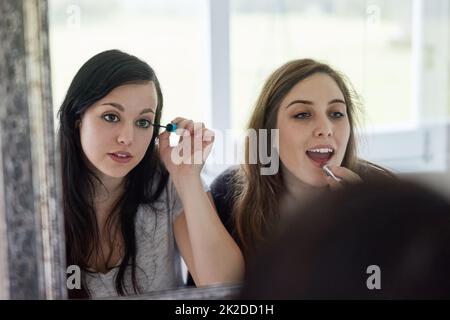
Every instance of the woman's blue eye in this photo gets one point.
(337, 114)
(143, 123)
(303, 115)
(111, 118)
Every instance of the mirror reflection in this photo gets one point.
(119, 140)
(189, 136)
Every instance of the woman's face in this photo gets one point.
(314, 128)
(116, 131)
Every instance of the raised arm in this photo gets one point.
(211, 254)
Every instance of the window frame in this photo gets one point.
(422, 148)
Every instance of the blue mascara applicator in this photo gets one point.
(171, 127)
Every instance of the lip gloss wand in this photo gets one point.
(329, 173)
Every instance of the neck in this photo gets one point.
(106, 195)
(108, 189)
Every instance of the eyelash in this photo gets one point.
(105, 117)
(302, 116)
(334, 115)
(340, 114)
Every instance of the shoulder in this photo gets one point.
(223, 186)
(153, 212)
(369, 171)
(223, 194)
(224, 182)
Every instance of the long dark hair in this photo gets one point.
(144, 184)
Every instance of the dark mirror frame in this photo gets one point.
(31, 227)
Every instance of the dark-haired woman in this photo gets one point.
(130, 206)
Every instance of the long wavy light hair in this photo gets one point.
(256, 206)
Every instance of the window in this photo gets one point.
(170, 35)
(394, 52)
(212, 58)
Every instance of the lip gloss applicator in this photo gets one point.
(329, 173)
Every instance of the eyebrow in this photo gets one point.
(121, 108)
(311, 103)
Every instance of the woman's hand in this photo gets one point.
(347, 177)
(210, 253)
(189, 155)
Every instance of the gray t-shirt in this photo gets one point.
(158, 262)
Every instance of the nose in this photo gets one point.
(323, 128)
(125, 136)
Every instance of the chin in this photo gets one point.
(115, 173)
(313, 181)
(319, 183)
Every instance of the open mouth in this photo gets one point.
(320, 156)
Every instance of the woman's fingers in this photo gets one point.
(334, 185)
(195, 140)
(208, 141)
(194, 128)
(163, 139)
(346, 176)
(183, 125)
(208, 136)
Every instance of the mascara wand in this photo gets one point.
(171, 127)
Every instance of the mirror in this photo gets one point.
(44, 43)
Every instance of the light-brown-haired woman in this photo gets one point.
(314, 108)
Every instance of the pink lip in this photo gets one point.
(121, 159)
(124, 153)
(320, 164)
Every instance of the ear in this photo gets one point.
(78, 124)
